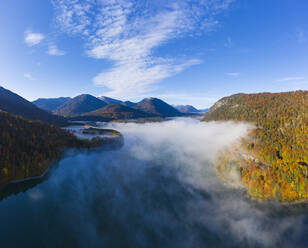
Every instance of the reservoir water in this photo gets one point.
(158, 190)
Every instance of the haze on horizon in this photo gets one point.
(184, 52)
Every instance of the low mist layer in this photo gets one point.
(159, 190)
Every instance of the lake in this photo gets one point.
(159, 190)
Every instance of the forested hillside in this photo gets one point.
(28, 147)
(15, 104)
(118, 111)
(274, 161)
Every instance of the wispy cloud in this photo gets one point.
(33, 39)
(233, 74)
(28, 76)
(229, 42)
(55, 51)
(286, 79)
(292, 83)
(131, 79)
(300, 35)
(127, 32)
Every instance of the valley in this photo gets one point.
(140, 156)
(153, 124)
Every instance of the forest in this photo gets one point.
(272, 162)
(28, 147)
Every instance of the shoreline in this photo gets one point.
(109, 142)
(253, 199)
(21, 180)
(31, 178)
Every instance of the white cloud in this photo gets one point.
(286, 79)
(233, 74)
(127, 33)
(33, 39)
(55, 51)
(139, 75)
(28, 76)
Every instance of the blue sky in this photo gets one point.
(185, 52)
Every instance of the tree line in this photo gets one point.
(28, 147)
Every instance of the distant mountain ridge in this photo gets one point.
(186, 109)
(157, 107)
(88, 105)
(79, 105)
(50, 104)
(129, 104)
(109, 100)
(119, 111)
(16, 105)
(204, 110)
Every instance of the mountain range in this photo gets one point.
(87, 106)
(79, 105)
(50, 104)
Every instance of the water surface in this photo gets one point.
(158, 190)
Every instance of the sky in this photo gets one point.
(182, 51)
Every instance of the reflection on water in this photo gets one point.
(15, 188)
(159, 190)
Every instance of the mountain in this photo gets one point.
(128, 103)
(15, 104)
(157, 107)
(79, 105)
(272, 161)
(50, 104)
(186, 109)
(203, 110)
(118, 111)
(109, 100)
(27, 147)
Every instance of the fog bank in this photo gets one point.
(187, 145)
